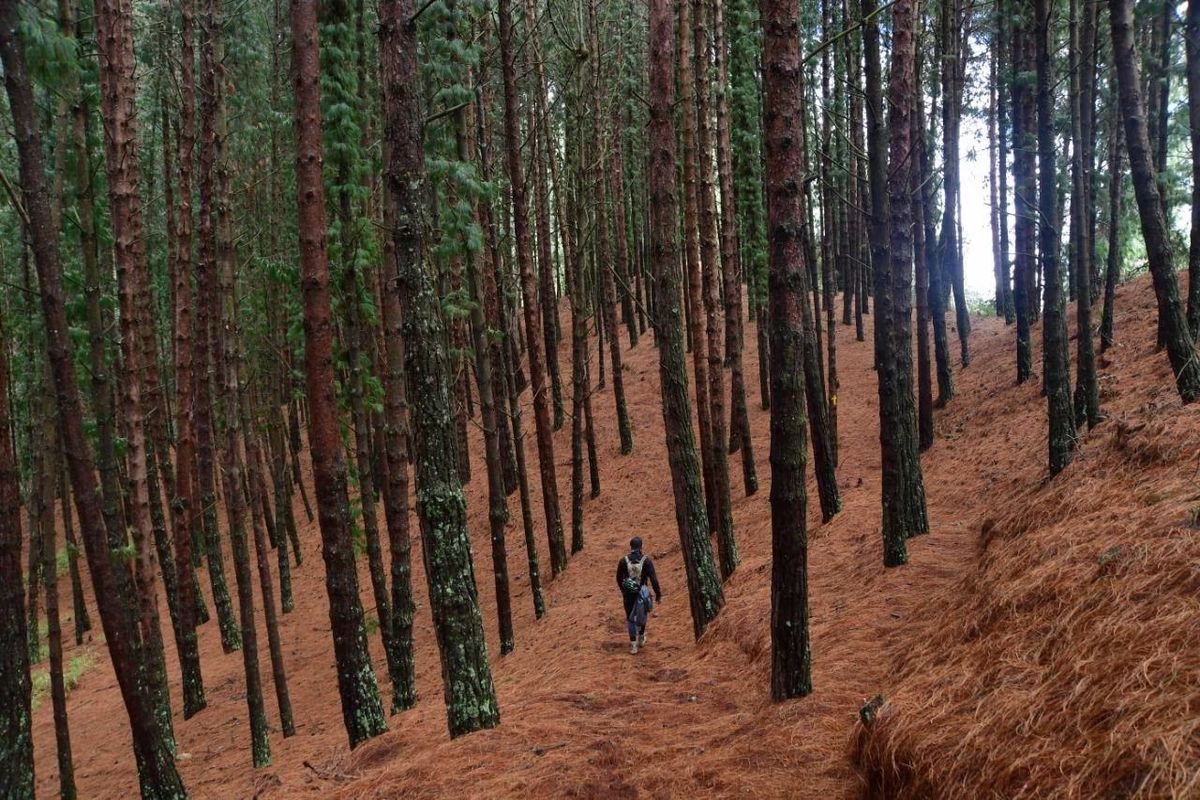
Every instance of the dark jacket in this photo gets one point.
(648, 575)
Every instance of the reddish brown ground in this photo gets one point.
(580, 716)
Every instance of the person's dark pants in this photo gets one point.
(635, 630)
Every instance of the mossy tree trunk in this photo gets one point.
(704, 589)
(441, 506)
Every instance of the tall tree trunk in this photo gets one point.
(401, 667)
(1173, 326)
(903, 486)
(212, 60)
(263, 562)
(952, 91)
(791, 656)
(184, 515)
(1024, 192)
(16, 736)
(46, 474)
(539, 131)
(466, 676)
(731, 267)
(627, 270)
(505, 389)
(537, 367)
(1000, 269)
(362, 712)
(111, 582)
(1112, 268)
(704, 589)
(606, 265)
(573, 257)
(1056, 357)
(824, 455)
(830, 233)
(727, 552)
(79, 611)
(694, 266)
(1192, 39)
(1000, 54)
(923, 243)
(205, 359)
(98, 368)
(497, 502)
(114, 36)
(1087, 391)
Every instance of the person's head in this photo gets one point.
(635, 543)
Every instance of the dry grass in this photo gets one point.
(1069, 666)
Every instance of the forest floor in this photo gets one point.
(580, 716)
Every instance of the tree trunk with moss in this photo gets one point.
(704, 589)
(111, 581)
(441, 505)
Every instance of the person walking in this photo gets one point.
(635, 576)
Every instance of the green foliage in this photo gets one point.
(79, 665)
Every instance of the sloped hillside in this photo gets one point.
(1036, 642)
(1068, 664)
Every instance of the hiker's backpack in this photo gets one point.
(633, 575)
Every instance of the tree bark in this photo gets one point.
(441, 506)
(48, 476)
(1087, 390)
(16, 736)
(903, 493)
(731, 266)
(111, 582)
(537, 367)
(362, 712)
(727, 551)
(497, 502)
(694, 266)
(605, 265)
(401, 667)
(704, 589)
(263, 562)
(114, 37)
(205, 359)
(1112, 268)
(1024, 192)
(1057, 380)
(923, 243)
(791, 656)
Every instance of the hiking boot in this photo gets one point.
(633, 648)
(641, 640)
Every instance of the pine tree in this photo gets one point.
(1024, 189)
(791, 656)
(903, 487)
(362, 712)
(112, 583)
(1061, 439)
(537, 376)
(16, 735)
(704, 590)
(441, 506)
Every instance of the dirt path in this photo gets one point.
(580, 716)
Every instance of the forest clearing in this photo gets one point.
(347, 350)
